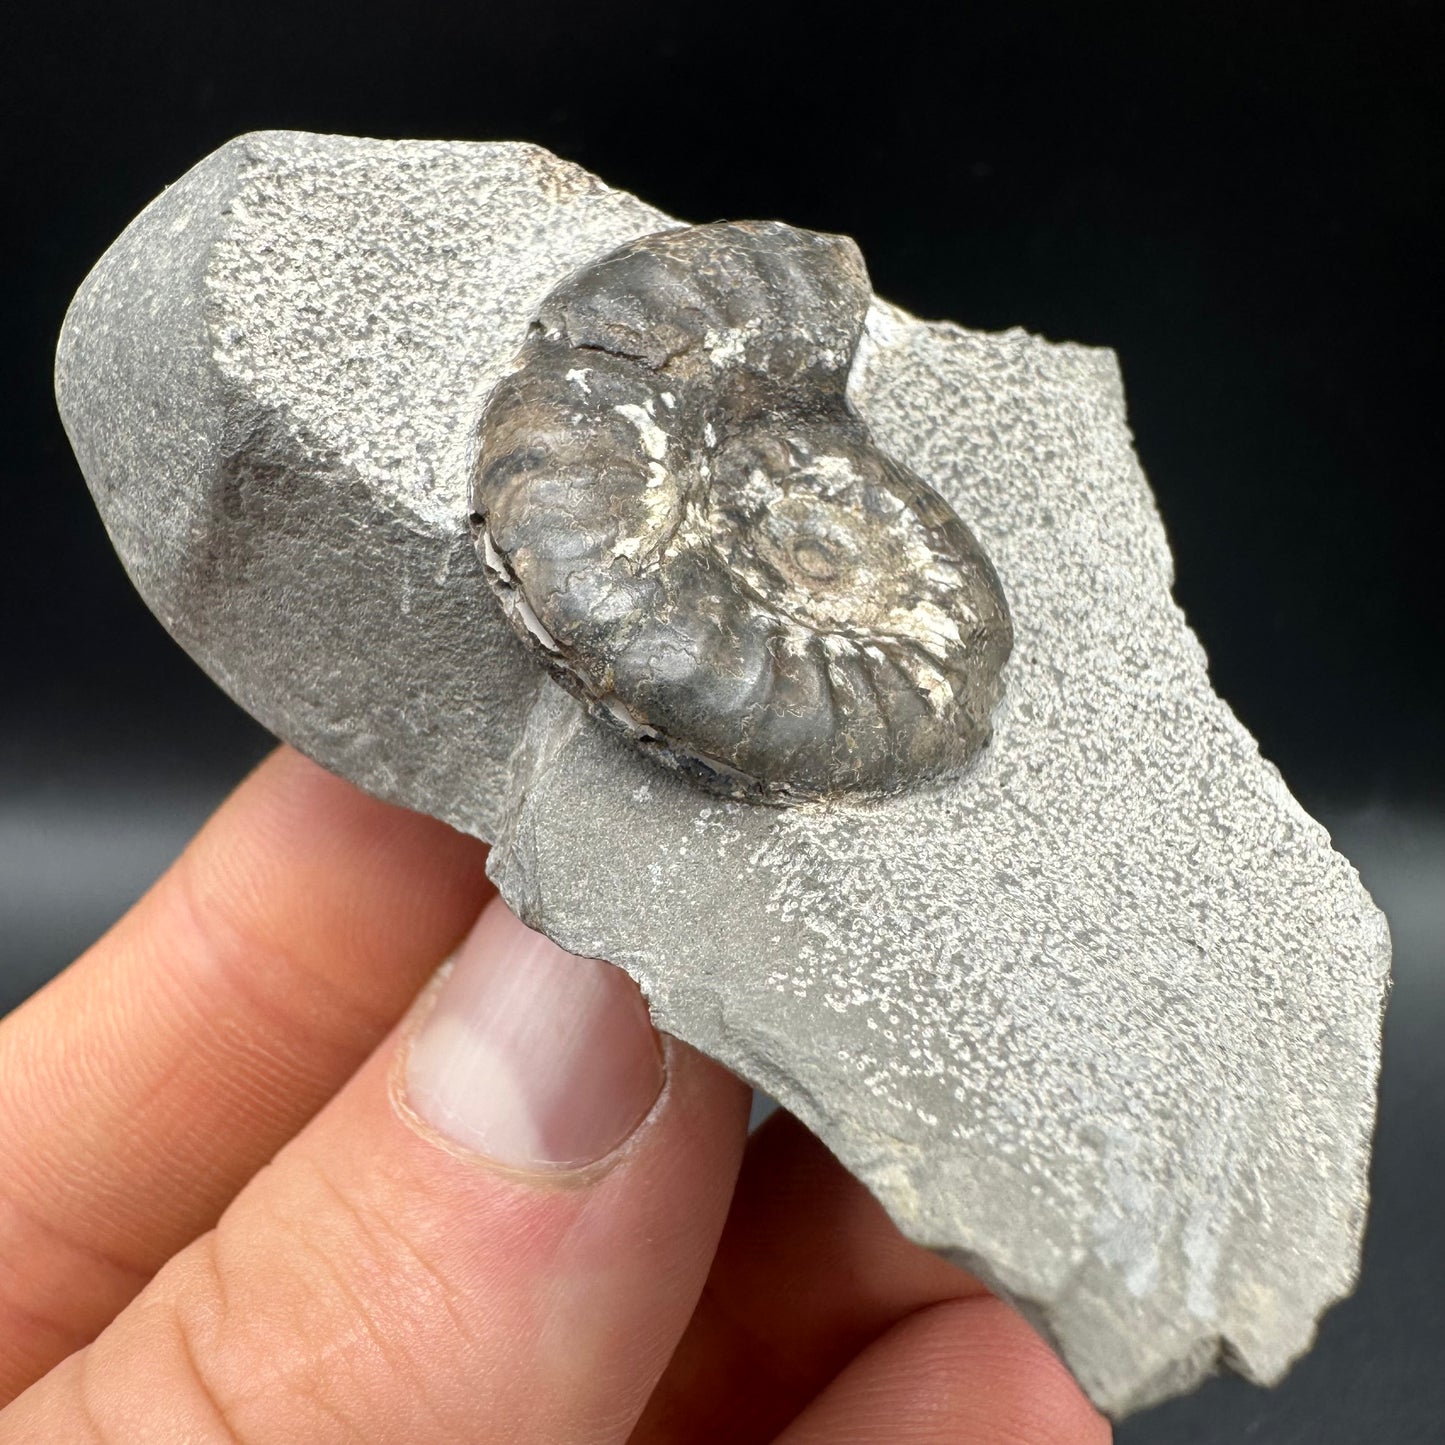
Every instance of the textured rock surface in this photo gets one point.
(1100, 1019)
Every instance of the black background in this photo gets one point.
(1243, 200)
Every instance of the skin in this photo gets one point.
(220, 1223)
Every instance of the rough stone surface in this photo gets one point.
(1099, 1020)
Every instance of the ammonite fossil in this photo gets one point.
(680, 511)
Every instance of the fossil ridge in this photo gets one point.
(1099, 1019)
(685, 519)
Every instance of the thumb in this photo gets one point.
(497, 1230)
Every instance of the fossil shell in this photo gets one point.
(679, 510)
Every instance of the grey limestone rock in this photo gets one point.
(1098, 1019)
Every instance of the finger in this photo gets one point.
(969, 1372)
(809, 1270)
(145, 1084)
(480, 1241)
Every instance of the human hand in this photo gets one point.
(241, 1202)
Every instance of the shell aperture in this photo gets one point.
(679, 510)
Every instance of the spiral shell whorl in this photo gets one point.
(677, 507)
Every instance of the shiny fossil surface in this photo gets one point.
(1098, 1019)
(681, 512)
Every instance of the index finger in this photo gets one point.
(145, 1085)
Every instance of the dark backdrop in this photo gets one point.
(1243, 199)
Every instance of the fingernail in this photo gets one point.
(531, 1056)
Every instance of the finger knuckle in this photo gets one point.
(195, 1323)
